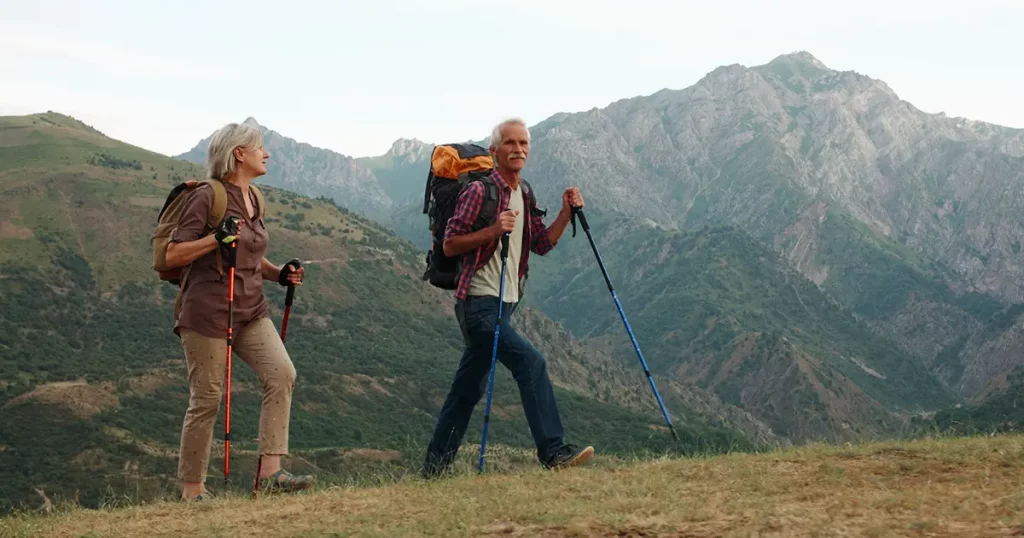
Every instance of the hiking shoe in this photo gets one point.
(569, 456)
(435, 467)
(285, 482)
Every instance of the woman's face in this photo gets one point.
(253, 160)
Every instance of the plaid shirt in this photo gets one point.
(535, 233)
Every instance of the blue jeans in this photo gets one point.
(477, 316)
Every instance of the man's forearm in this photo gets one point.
(457, 245)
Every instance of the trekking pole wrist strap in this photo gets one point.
(578, 212)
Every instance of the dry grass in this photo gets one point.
(958, 487)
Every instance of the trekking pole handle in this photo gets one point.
(578, 212)
(504, 245)
(290, 295)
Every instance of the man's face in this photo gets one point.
(514, 147)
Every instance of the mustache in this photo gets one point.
(516, 155)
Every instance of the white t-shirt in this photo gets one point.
(488, 278)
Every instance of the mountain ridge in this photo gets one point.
(312, 171)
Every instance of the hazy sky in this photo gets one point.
(353, 76)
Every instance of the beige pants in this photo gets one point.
(260, 346)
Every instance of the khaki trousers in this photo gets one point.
(260, 346)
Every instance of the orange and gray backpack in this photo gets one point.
(452, 168)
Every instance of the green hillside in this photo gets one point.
(402, 174)
(93, 384)
(716, 308)
(1001, 411)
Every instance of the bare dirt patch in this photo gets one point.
(82, 398)
(9, 230)
(147, 201)
(148, 383)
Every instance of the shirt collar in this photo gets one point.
(500, 181)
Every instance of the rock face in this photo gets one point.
(402, 171)
(911, 220)
(316, 172)
(768, 147)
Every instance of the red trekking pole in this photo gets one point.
(227, 394)
(288, 299)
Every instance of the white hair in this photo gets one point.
(496, 133)
(220, 159)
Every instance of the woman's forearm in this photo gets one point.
(269, 270)
(182, 254)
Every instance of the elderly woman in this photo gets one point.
(236, 157)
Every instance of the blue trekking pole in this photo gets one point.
(494, 350)
(576, 211)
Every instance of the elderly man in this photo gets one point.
(477, 299)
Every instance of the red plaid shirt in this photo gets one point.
(535, 233)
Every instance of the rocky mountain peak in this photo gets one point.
(799, 57)
(409, 147)
(252, 121)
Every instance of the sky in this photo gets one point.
(355, 75)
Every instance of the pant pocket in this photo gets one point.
(479, 318)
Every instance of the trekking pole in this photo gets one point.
(494, 350)
(288, 299)
(227, 394)
(576, 211)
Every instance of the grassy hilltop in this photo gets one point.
(945, 487)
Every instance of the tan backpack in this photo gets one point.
(167, 222)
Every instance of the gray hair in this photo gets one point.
(220, 160)
(496, 133)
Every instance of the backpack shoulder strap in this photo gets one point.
(532, 199)
(426, 190)
(217, 211)
(220, 204)
(489, 208)
(259, 198)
